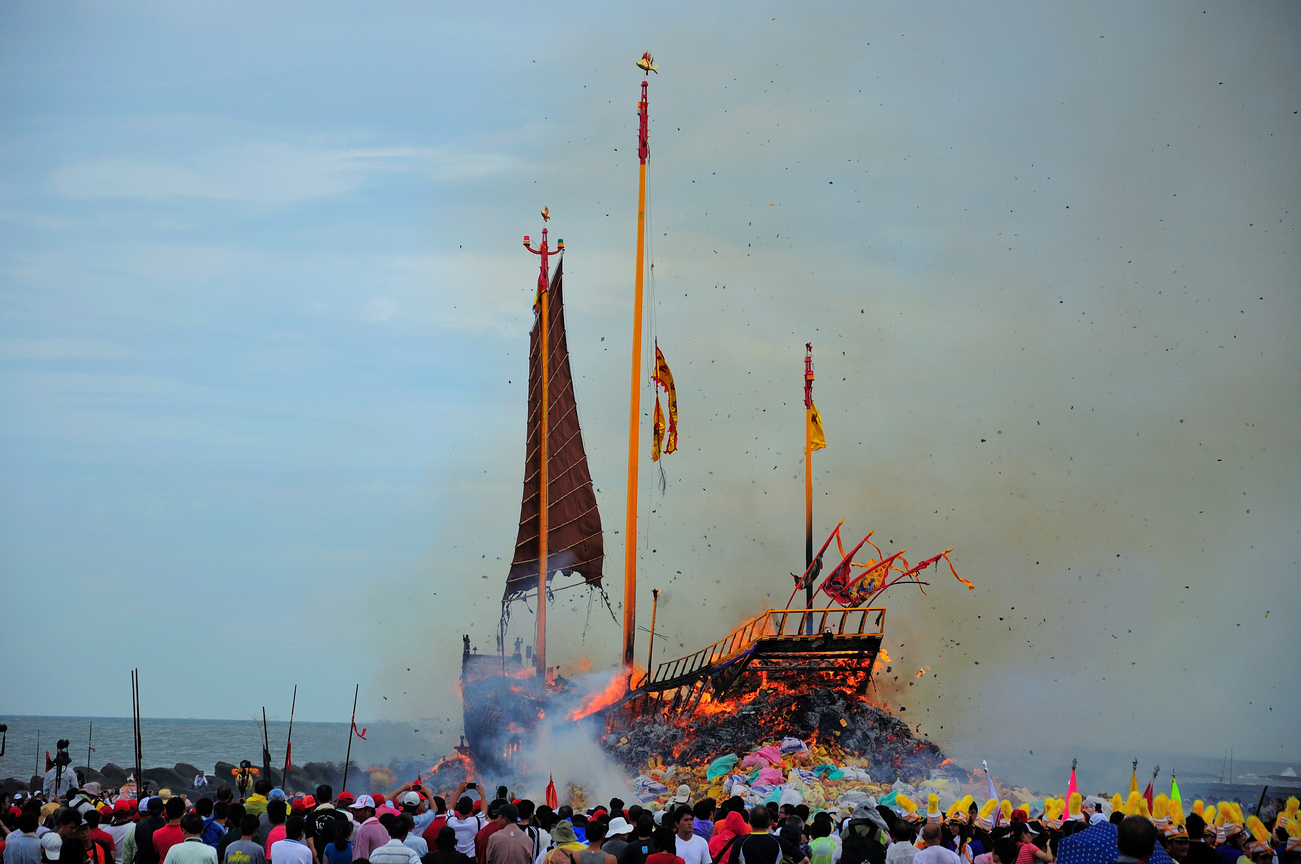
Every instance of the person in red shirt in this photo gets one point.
(665, 841)
(431, 833)
(170, 834)
(494, 825)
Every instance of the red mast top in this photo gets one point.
(544, 266)
(647, 65)
(808, 375)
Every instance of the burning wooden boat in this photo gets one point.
(836, 645)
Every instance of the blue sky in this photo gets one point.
(263, 319)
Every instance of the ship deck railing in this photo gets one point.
(789, 631)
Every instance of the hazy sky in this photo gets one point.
(264, 314)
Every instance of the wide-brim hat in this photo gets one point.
(564, 833)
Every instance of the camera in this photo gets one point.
(61, 758)
(4, 727)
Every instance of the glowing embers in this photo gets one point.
(832, 716)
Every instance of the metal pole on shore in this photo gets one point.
(289, 742)
(352, 726)
(266, 747)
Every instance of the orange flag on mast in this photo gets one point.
(663, 378)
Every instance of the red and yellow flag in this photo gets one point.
(553, 801)
(663, 378)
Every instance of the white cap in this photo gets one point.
(684, 794)
(362, 802)
(51, 844)
(412, 798)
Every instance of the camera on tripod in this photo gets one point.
(61, 757)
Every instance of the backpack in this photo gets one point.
(323, 823)
(822, 848)
(212, 832)
(860, 844)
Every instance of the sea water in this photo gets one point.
(203, 743)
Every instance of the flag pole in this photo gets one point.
(634, 402)
(289, 742)
(650, 651)
(544, 282)
(352, 726)
(90, 736)
(808, 471)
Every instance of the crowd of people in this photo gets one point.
(415, 826)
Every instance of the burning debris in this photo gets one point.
(844, 726)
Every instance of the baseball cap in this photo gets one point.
(309, 801)
(363, 802)
(51, 845)
(122, 806)
(345, 798)
(411, 799)
(684, 794)
(379, 799)
(276, 795)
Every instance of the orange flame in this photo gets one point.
(610, 694)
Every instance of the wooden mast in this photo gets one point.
(634, 409)
(544, 277)
(808, 470)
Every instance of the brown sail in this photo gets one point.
(574, 541)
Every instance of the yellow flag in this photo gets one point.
(657, 429)
(816, 437)
(668, 438)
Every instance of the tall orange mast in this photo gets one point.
(646, 64)
(808, 469)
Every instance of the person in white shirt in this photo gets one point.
(902, 850)
(933, 851)
(692, 848)
(292, 849)
(466, 823)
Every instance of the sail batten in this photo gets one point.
(574, 540)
